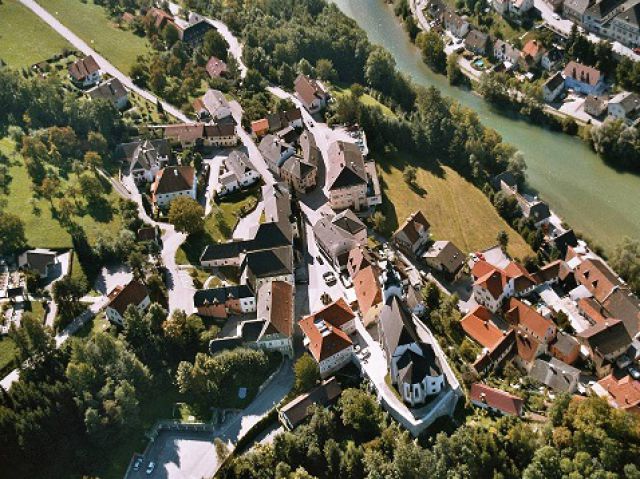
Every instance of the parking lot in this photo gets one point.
(179, 455)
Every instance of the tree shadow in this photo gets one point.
(100, 209)
(195, 244)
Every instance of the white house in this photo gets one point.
(327, 336)
(237, 173)
(144, 159)
(413, 234)
(172, 182)
(134, 293)
(625, 106)
(85, 72)
(553, 87)
(113, 91)
(493, 285)
(276, 309)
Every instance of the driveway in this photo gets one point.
(247, 226)
(105, 65)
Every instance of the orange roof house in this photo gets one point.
(367, 288)
(479, 327)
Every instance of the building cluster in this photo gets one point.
(615, 20)
(86, 74)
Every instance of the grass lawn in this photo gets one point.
(456, 209)
(37, 309)
(99, 323)
(365, 99)
(91, 23)
(190, 251)
(42, 229)
(8, 351)
(24, 38)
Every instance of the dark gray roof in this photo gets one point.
(555, 374)
(221, 344)
(413, 367)
(297, 410)
(349, 222)
(271, 262)
(310, 151)
(555, 81)
(296, 167)
(40, 260)
(251, 330)
(224, 250)
(606, 338)
(220, 295)
(345, 165)
(238, 163)
(396, 327)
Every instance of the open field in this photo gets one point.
(8, 351)
(456, 209)
(189, 252)
(91, 23)
(24, 38)
(42, 228)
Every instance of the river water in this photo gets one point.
(591, 196)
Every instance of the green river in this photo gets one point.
(591, 196)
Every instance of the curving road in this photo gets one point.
(106, 67)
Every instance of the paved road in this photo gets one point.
(105, 65)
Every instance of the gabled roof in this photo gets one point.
(519, 313)
(40, 259)
(238, 163)
(349, 222)
(533, 48)
(597, 278)
(336, 314)
(260, 125)
(325, 340)
(625, 306)
(624, 393)
(412, 228)
(133, 293)
(447, 254)
(184, 132)
(582, 73)
(214, 101)
(494, 282)
(345, 166)
(297, 410)
(112, 90)
(359, 258)
(555, 374)
(396, 326)
(271, 262)
(413, 367)
(554, 81)
(206, 297)
(479, 327)
(606, 338)
(82, 68)
(308, 89)
(476, 40)
(496, 399)
(216, 67)
(526, 346)
(173, 179)
(367, 288)
(275, 305)
(565, 344)
(592, 310)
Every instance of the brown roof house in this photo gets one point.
(352, 182)
(216, 68)
(112, 91)
(495, 400)
(444, 256)
(134, 293)
(172, 182)
(85, 72)
(476, 42)
(367, 287)
(327, 336)
(275, 309)
(413, 235)
(621, 393)
(312, 93)
(298, 410)
(606, 342)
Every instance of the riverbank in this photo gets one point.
(597, 200)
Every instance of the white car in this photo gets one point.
(556, 16)
(150, 468)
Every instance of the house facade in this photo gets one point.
(134, 293)
(413, 235)
(584, 79)
(224, 301)
(312, 93)
(85, 72)
(172, 182)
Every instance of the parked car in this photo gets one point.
(138, 463)
(150, 468)
(329, 278)
(320, 260)
(635, 374)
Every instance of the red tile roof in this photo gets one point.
(323, 345)
(519, 313)
(367, 288)
(624, 393)
(133, 293)
(496, 399)
(533, 48)
(260, 126)
(582, 73)
(308, 89)
(526, 346)
(592, 310)
(336, 314)
(479, 327)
